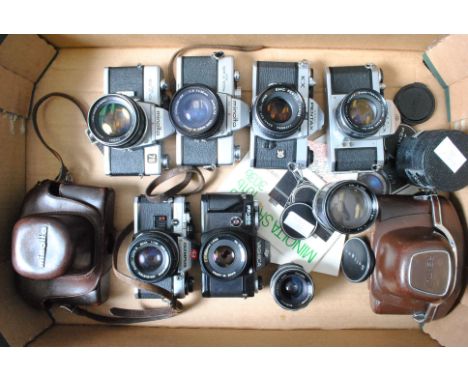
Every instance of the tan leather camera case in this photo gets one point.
(419, 249)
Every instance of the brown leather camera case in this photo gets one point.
(419, 247)
(62, 244)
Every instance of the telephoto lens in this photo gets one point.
(292, 287)
(347, 206)
(435, 160)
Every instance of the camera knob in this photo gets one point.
(236, 75)
(165, 162)
(259, 283)
(237, 153)
(312, 82)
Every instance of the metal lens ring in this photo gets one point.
(152, 257)
(347, 207)
(298, 221)
(196, 111)
(225, 257)
(117, 121)
(279, 110)
(292, 287)
(362, 113)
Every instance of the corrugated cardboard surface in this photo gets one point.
(337, 305)
(25, 55)
(379, 42)
(16, 92)
(73, 335)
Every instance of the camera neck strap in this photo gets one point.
(64, 173)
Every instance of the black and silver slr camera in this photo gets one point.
(206, 110)
(231, 253)
(283, 114)
(128, 123)
(359, 118)
(161, 249)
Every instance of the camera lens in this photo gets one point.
(376, 182)
(196, 111)
(347, 207)
(362, 113)
(224, 256)
(116, 121)
(148, 259)
(152, 256)
(279, 111)
(292, 287)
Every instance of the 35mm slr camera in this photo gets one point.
(128, 123)
(231, 253)
(206, 110)
(160, 252)
(283, 114)
(359, 118)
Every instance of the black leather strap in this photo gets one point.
(64, 174)
(202, 70)
(271, 72)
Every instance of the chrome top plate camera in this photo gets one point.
(128, 123)
(283, 114)
(160, 252)
(206, 110)
(359, 117)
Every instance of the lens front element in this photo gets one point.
(114, 119)
(292, 287)
(277, 110)
(362, 112)
(148, 259)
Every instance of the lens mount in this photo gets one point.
(196, 111)
(117, 121)
(279, 111)
(348, 207)
(153, 256)
(362, 113)
(292, 287)
(224, 256)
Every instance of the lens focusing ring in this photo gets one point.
(323, 208)
(137, 121)
(346, 122)
(301, 287)
(168, 249)
(223, 239)
(295, 105)
(192, 102)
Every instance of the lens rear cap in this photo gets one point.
(415, 102)
(358, 260)
(298, 221)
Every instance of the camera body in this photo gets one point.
(283, 114)
(161, 250)
(359, 118)
(129, 122)
(231, 253)
(206, 110)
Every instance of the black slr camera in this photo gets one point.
(283, 114)
(359, 118)
(206, 110)
(161, 249)
(231, 253)
(128, 123)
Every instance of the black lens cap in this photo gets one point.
(298, 221)
(358, 261)
(415, 102)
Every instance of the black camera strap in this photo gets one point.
(64, 173)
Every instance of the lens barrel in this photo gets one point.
(196, 111)
(152, 256)
(292, 287)
(362, 113)
(347, 207)
(279, 111)
(117, 121)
